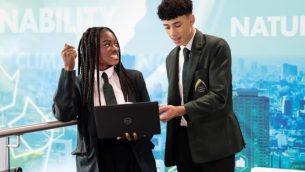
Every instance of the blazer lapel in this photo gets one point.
(172, 66)
(195, 56)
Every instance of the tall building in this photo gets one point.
(289, 71)
(275, 160)
(302, 104)
(254, 67)
(252, 111)
(238, 67)
(302, 108)
(287, 108)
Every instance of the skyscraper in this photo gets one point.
(302, 108)
(302, 104)
(289, 71)
(287, 108)
(253, 113)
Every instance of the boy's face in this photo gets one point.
(180, 29)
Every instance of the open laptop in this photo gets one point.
(115, 120)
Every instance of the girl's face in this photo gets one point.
(109, 50)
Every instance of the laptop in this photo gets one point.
(115, 120)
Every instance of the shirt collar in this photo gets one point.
(108, 71)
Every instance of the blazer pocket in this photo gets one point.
(201, 83)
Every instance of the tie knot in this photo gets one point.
(186, 53)
(105, 77)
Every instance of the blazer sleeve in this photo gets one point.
(66, 101)
(220, 80)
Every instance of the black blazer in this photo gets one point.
(68, 106)
(213, 130)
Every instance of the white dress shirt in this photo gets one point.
(114, 81)
(181, 62)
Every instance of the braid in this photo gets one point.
(96, 60)
(90, 63)
(88, 52)
(125, 81)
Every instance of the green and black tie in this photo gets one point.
(108, 91)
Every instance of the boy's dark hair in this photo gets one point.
(170, 9)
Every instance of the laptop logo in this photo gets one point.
(127, 121)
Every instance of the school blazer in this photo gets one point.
(213, 129)
(68, 106)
